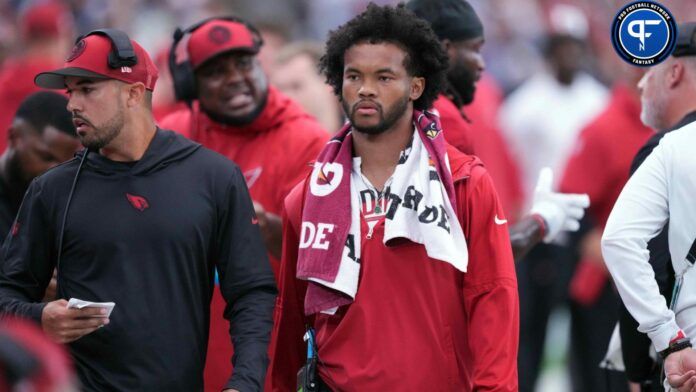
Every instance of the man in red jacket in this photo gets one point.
(235, 112)
(395, 250)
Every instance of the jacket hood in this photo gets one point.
(461, 164)
(165, 148)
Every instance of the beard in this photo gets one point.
(105, 133)
(239, 120)
(651, 113)
(386, 119)
(463, 82)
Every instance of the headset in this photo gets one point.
(122, 53)
(686, 42)
(182, 73)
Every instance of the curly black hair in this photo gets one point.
(397, 25)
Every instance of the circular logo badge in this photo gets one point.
(325, 178)
(77, 50)
(644, 33)
(219, 35)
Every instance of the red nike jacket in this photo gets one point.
(416, 324)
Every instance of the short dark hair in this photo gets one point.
(425, 56)
(46, 108)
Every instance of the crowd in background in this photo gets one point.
(550, 71)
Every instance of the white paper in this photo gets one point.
(79, 304)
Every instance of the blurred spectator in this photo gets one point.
(542, 118)
(275, 37)
(30, 362)
(541, 121)
(600, 167)
(235, 112)
(46, 34)
(296, 74)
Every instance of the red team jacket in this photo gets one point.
(274, 153)
(416, 324)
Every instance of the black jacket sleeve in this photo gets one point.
(248, 286)
(635, 346)
(28, 259)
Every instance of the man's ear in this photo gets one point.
(136, 94)
(448, 47)
(675, 74)
(417, 87)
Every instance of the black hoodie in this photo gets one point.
(148, 237)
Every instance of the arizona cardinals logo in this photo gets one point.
(250, 176)
(15, 228)
(219, 35)
(431, 131)
(77, 50)
(138, 202)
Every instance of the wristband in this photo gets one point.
(543, 226)
(676, 345)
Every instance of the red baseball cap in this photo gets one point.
(89, 59)
(219, 36)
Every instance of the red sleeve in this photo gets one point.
(287, 350)
(490, 287)
(588, 168)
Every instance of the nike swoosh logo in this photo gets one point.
(499, 221)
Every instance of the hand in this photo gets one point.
(63, 325)
(680, 369)
(50, 293)
(633, 386)
(261, 217)
(271, 227)
(561, 211)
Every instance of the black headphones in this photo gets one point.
(122, 53)
(686, 40)
(182, 73)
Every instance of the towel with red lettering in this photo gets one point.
(420, 207)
